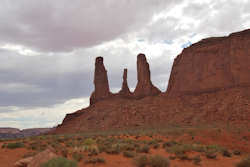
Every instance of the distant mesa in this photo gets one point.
(143, 88)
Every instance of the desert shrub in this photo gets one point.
(226, 153)
(129, 147)
(129, 154)
(244, 163)
(143, 149)
(155, 146)
(152, 142)
(77, 156)
(89, 142)
(159, 161)
(95, 160)
(182, 156)
(59, 162)
(172, 157)
(103, 148)
(15, 145)
(93, 152)
(236, 152)
(214, 148)
(211, 155)
(199, 148)
(4, 145)
(179, 149)
(169, 144)
(141, 161)
(114, 149)
(197, 160)
(64, 153)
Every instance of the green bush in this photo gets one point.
(95, 160)
(129, 154)
(159, 161)
(143, 149)
(59, 162)
(211, 155)
(169, 144)
(236, 152)
(197, 160)
(244, 163)
(226, 153)
(77, 156)
(15, 145)
(156, 146)
(141, 161)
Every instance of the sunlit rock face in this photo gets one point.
(212, 64)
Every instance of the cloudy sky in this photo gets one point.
(48, 48)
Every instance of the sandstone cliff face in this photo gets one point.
(100, 81)
(212, 64)
(144, 85)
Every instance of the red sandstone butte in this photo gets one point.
(100, 81)
(144, 85)
(209, 85)
(212, 64)
(125, 92)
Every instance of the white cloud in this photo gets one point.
(40, 117)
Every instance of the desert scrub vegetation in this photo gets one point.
(141, 161)
(14, 145)
(95, 160)
(129, 154)
(59, 162)
(158, 161)
(143, 149)
(197, 160)
(151, 161)
(77, 156)
(244, 162)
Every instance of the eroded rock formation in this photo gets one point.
(125, 92)
(209, 84)
(144, 85)
(100, 81)
(212, 64)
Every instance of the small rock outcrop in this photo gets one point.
(144, 85)
(125, 92)
(38, 159)
(100, 81)
(213, 64)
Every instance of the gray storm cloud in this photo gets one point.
(64, 38)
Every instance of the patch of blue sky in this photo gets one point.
(140, 40)
(187, 44)
(168, 42)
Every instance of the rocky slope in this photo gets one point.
(209, 84)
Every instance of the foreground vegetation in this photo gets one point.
(138, 146)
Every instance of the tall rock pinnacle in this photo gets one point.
(144, 85)
(100, 81)
(125, 92)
